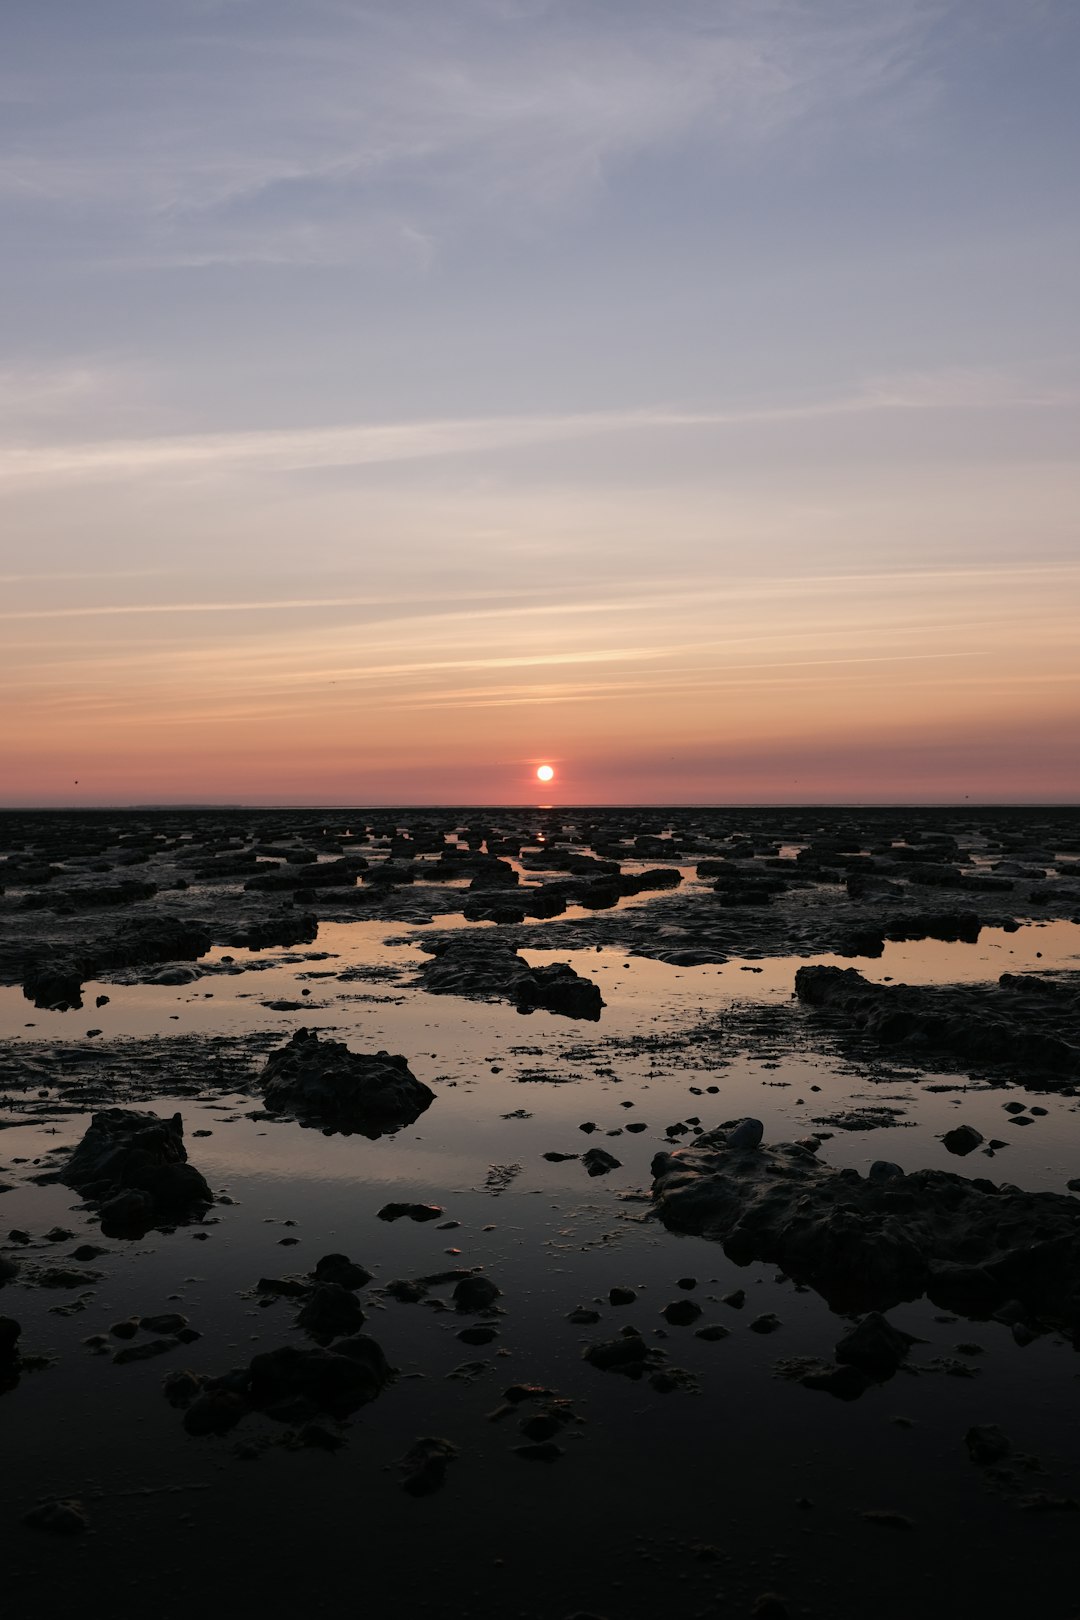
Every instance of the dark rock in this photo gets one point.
(330, 1312)
(875, 1346)
(599, 1163)
(321, 1081)
(181, 1387)
(9, 1339)
(681, 1312)
(962, 1139)
(746, 1134)
(216, 1411)
(424, 1465)
(64, 1517)
(1011, 1024)
(479, 966)
(169, 1322)
(767, 1323)
(971, 1245)
(135, 1165)
(128, 1214)
(621, 1296)
(339, 1269)
(987, 1444)
(146, 1351)
(336, 1381)
(475, 1293)
(616, 1355)
(770, 1606)
(412, 1212)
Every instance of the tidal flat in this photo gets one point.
(540, 1213)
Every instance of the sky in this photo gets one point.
(396, 395)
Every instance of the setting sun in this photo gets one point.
(545, 773)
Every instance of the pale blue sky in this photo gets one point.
(532, 309)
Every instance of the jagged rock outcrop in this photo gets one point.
(134, 1165)
(1021, 1023)
(868, 1243)
(321, 1081)
(472, 966)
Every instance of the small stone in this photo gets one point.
(888, 1518)
(583, 1316)
(478, 1334)
(987, 1444)
(621, 1296)
(767, 1323)
(424, 1465)
(168, 1322)
(964, 1139)
(681, 1312)
(64, 1517)
(475, 1293)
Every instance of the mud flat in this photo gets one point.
(572, 1212)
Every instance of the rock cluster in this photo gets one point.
(868, 1243)
(468, 966)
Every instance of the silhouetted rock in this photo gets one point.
(134, 1164)
(1011, 1024)
(869, 1244)
(424, 1465)
(330, 1312)
(339, 1269)
(962, 1139)
(475, 1293)
(471, 966)
(875, 1346)
(599, 1163)
(322, 1081)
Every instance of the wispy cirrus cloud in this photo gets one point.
(259, 134)
(374, 443)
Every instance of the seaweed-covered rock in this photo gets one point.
(322, 1081)
(135, 1165)
(55, 981)
(1018, 1023)
(282, 1383)
(478, 966)
(868, 1244)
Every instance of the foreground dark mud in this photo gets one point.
(468, 1280)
